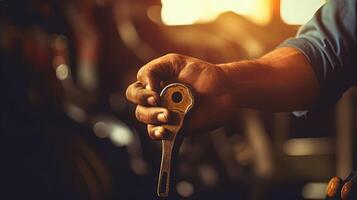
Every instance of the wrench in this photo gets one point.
(179, 100)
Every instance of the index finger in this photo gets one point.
(137, 94)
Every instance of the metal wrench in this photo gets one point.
(179, 100)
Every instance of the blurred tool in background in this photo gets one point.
(68, 133)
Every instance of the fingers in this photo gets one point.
(156, 132)
(137, 94)
(152, 115)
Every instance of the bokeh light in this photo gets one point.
(299, 12)
(186, 12)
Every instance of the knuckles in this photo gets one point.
(148, 70)
(144, 115)
(151, 132)
(128, 92)
(140, 73)
(173, 57)
(140, 98)
(138, 114)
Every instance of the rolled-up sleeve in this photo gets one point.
(328, 41)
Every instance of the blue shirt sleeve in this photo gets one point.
(328, 41)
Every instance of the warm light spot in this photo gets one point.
(299, 12)
(208, 175)
(308, 146)
(118, 132)
(314, 190)
(75, 112)
(101, 129)
(139, 166)
(121, 135)
(185, 189)
(62, 72)
(186, 12)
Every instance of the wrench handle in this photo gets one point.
(165, 168)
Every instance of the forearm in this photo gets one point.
(282, 80)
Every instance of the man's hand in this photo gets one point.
(282, 80)
(214, 102)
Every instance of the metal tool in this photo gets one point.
(179, 100)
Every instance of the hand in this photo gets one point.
(213, 100)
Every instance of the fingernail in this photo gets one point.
(162, 118)
(158, 134)
(152, 101)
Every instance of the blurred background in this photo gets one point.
(67, 131)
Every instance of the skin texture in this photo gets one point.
(282, 80)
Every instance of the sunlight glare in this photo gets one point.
(186, 12)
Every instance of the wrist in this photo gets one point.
(230, 96)
(236, 79)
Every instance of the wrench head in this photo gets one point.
(177, 97)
